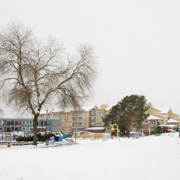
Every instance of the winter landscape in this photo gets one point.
(75, 71)
(147, 158)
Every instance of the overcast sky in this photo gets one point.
(137, 42)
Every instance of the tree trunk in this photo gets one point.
(35, 129)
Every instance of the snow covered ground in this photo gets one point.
(147, 158)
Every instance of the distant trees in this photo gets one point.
(34, 74)
(129, 113)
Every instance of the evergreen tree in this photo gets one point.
(129, 113)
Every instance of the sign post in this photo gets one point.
(169, 130)
(119, 133)
(75, 134)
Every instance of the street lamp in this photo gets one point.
(48, 113)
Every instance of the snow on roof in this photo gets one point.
(172, 121)
(88, 108)
(151, 117)
(95, 128)
(109, 107)
(163, 125)
(50, 110)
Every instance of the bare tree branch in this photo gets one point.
(34, 74)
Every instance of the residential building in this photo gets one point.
(26, 125)
(159, 117)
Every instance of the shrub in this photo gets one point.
(26, 138)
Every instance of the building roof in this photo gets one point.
(151, 117)
(88, 108)
(172, 121)
(95, 128)
(163, 125)
(109, 107)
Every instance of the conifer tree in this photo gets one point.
(129, 113)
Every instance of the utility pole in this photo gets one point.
(48, 113)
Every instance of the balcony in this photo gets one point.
(145, 124)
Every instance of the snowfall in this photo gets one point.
(147, 158)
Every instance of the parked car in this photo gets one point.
(57, 134)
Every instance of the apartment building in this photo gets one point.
(89, 117)
(160, 117)
(26, 125)
(78, 119)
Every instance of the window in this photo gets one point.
(99, 124)
(56, 115)
(30, 122)
(41, 116)
(92, 123)
(99, 118)
(99, 113)
(92, 113)
(23, 122)
(0, 129)
(23, 129)
(85, 124)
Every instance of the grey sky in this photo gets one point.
(137, 42)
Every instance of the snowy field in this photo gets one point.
(147, 158)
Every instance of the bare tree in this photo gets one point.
(34, 75)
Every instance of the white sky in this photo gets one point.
(137, 42)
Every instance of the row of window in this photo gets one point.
(73, 118)
(99, 119)
(14, 129)
(14, 123)
(97, 124)
(18, 123)
(75, 124)
(99, 113)
(60, 115)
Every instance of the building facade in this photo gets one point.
(26, 125)
(160, 117)
(58, 121)
(90, 117)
